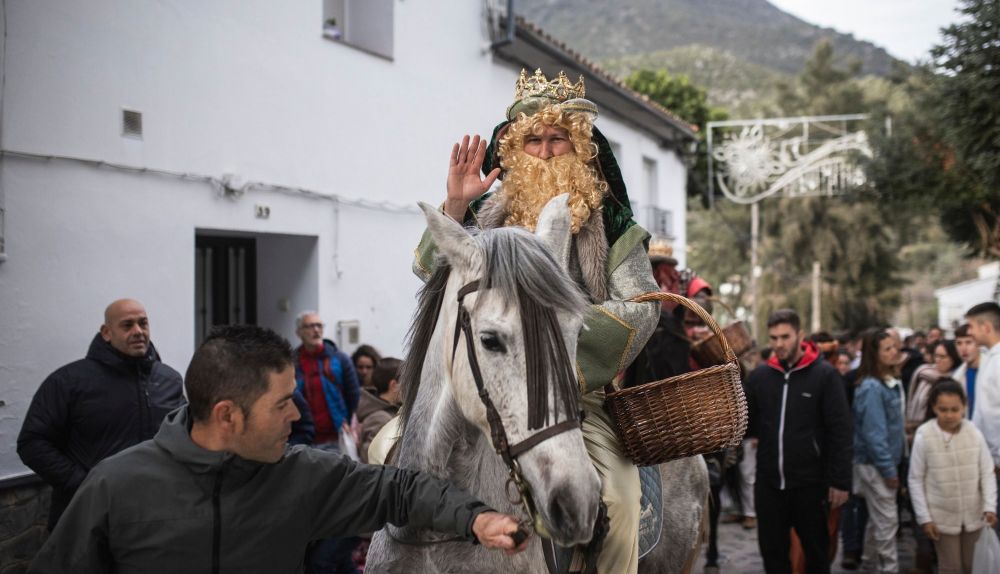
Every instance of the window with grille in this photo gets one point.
(225, 278)
(661, 221)
(364, 24)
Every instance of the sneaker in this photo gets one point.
(749, 523)
(850, 561)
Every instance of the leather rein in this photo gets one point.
(498, 434)
(516, 488)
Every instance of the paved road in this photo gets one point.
(738, 552)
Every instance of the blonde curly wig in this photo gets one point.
(530, 182)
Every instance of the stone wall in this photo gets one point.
(24, 511)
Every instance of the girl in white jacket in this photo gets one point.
(951, 479)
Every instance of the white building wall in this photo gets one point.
(635, 145)
(954, 301)
(249, 88)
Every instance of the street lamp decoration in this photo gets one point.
(794, 157)
(751, 160)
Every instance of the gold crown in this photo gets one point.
(660, 249)
(559, 88)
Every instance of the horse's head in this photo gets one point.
(524, 318)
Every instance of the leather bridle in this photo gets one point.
(498, 434)
(517, 489)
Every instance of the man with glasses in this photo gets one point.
(327, 379)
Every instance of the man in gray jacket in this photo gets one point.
(217, 489)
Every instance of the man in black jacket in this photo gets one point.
(93, 408)
(219, 490)
(799, 414)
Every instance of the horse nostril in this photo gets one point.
(560, 506)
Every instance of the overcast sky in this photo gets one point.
(906, 28)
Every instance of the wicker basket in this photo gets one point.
(695, 413)
(709, 350)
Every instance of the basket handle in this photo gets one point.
(724, 306)
(663, 296)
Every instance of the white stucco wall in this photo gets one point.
(231, 87)
(955, 300)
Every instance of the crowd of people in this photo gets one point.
(852, 437)
(151, 471)
(120, 395)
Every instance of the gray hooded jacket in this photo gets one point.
(168, 505)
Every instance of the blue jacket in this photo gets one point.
(878, 426)
(340, 382)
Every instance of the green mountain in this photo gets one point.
(755, 30)
(737, 49)
(744, 89)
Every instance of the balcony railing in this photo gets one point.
(661, 221)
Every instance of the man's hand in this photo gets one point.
(837, 497)
(930, 529)
(892, 483)
(991, 518)
(495, 530)
(464, 182)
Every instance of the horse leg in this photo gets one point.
(685, 503)
(692, 560)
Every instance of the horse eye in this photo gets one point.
(491, 342)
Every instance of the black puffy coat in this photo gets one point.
(91, 409)
(803, 425)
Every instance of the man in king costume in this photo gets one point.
(548, 146)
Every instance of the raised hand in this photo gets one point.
(464, 182)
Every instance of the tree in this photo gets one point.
(690, 103)
(823, 86)
(965, 99)
(944, 151)
(852, 237)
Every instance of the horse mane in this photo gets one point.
(518, 264)
(429, 300)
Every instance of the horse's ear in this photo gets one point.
(454, 242)
(554, 228)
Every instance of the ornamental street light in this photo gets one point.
(751, 160)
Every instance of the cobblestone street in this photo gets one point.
(738, 552)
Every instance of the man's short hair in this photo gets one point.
(784, 316)
(962, 331)
(385, 372)
(301, 317)
(988, 311)
(234, 363)
(821, 337)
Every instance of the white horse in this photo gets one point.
(522, 315)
